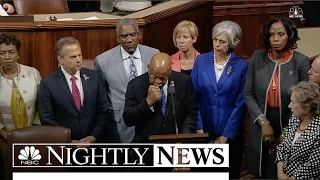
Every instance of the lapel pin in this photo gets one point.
(22, 76)
(290, 72)
(229, 70)
(85, 77)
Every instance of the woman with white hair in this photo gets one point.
(298, 156)
(219, 78)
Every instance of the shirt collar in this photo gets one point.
(125, 54)
(68, 76)
(165, 87)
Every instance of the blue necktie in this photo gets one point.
(133, 70)
(163, 102)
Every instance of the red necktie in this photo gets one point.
(75, 93)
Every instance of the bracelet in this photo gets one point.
(263, 120)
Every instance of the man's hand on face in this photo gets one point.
(154, 94)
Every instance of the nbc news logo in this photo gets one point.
(296, 12)
(29, 156)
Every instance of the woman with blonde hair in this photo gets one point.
(185, 34)
(298, 156)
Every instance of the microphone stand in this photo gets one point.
(172, 91)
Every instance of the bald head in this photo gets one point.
(314, 72)
(159, 69)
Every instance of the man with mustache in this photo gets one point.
(120, 65)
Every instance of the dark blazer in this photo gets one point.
(137, 112)
(221, 105)
(302, 159)
(57, 107)
(258, 80)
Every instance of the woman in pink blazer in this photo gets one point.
(184, 36)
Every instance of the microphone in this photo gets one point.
(172, 92)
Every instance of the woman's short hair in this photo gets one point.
(308, 96)
(233, 31)
(9, 39)
(181, 26)
(291, 30)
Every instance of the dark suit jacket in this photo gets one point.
(137, 112)
(57, 107)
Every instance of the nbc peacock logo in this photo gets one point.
(296, 12)
(29, 156)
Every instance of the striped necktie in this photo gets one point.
(133, 69)
(163, 102)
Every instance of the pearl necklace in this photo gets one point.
(6, 77)
(218, 66)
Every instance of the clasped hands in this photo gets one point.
(83, 143)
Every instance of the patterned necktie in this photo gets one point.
(133, 69)
(75, 92)
(163, 102)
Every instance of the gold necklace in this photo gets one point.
(12, 76)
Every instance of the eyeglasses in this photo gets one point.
(124, 37)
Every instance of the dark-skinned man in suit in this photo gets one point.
(148, 104)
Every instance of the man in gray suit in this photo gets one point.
(120, 65)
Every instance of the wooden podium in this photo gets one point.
(180, 138)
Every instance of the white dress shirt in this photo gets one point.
(78, 82)
(137, 60)
(218, 73)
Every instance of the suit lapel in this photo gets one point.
(210, 71)
(143, 57)
(228, 70)
(118, 63)
(64, 85)
(86, 89)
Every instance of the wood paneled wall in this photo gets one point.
(251, 16)
(39, 38)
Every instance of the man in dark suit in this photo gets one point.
(148, 104)
(74, 97)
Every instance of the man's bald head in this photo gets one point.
(159, 69)
(314, 72)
